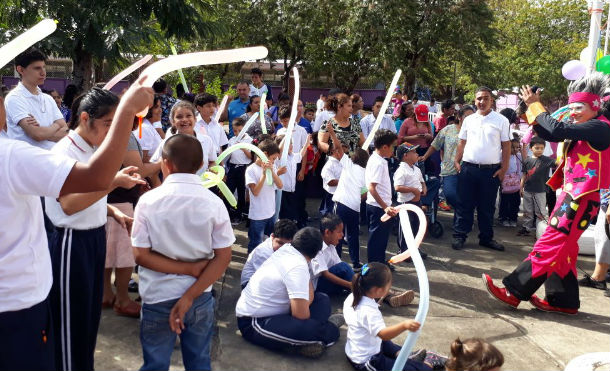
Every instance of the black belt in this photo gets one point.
(481, 166)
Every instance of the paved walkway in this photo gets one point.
(459, 306)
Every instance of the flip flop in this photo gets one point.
(131, 310)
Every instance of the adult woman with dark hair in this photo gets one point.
(252, 109)
(348, 132)
(405, 118)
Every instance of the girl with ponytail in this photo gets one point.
(474, 355)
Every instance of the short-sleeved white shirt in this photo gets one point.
(350, 185)
(299, 137)
(326, 258)
(175, 221)
(409, 176)
(26, 173)
(321, 117)
(331, 170)
(94, 216)
(484, 136)
(284, 276)
(239, 157)
(150, 137)
(289, 179)
(368, 122)
(363, 325)
(257, 257)
(377, 172)
(209, 154)
(262, 206)
(214, 131)
(20, 103)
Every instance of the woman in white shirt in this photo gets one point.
(78, 245)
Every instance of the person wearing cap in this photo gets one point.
(410, 186)
(368, 121)
(418, 133)
(485, 150)
(583, 171)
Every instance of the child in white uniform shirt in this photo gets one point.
(289, 205)
(150, 137)
(283, 232)
(369, 346)
(237, 163)
(331, 172)
(26, 334)
(206, 106)
(262, 195)
(351, 190)
(278, 309)
(379, 198)
(182, 249)
(78, 244)
(410, 186)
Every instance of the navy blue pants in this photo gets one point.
(26, 339)
(384, 360)
(341, 270)
(509, 206)
(402, 245)
(284, 331)
(289, 207)
(379, 234)
(326, 204)
(78, 258)
(477, 188)
(236, 180)
(351, 230)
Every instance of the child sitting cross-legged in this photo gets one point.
(182, 249)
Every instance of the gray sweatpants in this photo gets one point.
(534, 206)
(602, 244)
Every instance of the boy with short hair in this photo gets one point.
(379, 198)
(237, 162)
(283, 232)
(289, 205)
(179, 261)
(206, 105)
(410, 186)
(331, 172)
(262, 195)
(535, 175)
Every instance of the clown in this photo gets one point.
(584, 169)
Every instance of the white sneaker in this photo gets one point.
(506, 223)
(513, 224)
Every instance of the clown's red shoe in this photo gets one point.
(545, 306)
(501, 294)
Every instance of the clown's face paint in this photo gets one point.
(581, 112)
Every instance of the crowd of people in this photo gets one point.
(101, 195)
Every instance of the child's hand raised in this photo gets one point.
(282, 170)
(411, 325)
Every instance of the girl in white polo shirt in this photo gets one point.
(369, 346)
(78, 245)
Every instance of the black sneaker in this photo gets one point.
(418, 355)
(457, 244)
(314, 350)
(133, 286)
(492, 244)
(523, 232)
(587, 281)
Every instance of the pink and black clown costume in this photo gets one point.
(583, 171)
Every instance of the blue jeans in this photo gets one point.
(477, 188)
(259, 228)
(379, 234)
(450, 189)
(158, 339)
(341, 270)
(351, 230)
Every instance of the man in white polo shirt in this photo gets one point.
(33, 116)
(481, 161)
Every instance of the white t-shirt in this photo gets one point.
(321, 117)
(289, 179)
(284, 276)
(350, 185)
(20, 103)
(299, 137)
(26, 173)
(209, 154)
(257, 257)
(331, 170)
(174, 220)
(319, 105)
(377, 172)
(262, 206)
(410, 176)
(484, 136)
(214, 131)
(326, 258)
(368, 122)
(363, 324)
(150, 137)
(94, 216)
(259, 91)
(239, 157)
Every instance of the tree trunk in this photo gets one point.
(83, 68)
(99, 72)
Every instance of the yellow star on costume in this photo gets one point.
(583, 160)
(569, 260)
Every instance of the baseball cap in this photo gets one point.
(402, 149)
(421, 113)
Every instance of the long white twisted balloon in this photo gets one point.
(424, 286)
(384, 107)
(18, 45)
(221, 108)
(121, 75)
